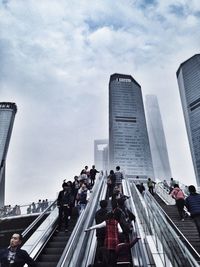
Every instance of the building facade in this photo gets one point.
(128, 139)
(101, 154)
(7, 116)
(157, 140)
(188, 75)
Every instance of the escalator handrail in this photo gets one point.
(71, 253)
(38, 219)
(139, 250)
(91, 244)
(148, 205)
(172, 224)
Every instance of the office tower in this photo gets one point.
(101, 154)
(188, 75)
(157, 140)
(128, 138)
(7, 115)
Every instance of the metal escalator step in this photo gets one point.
(45, 264)
(49, 258)
(60, 238)
(53, 251)
(56, 244)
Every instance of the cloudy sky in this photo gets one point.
(56, 59)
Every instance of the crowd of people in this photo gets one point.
(114, 225)
(75, 194)
(187, 201)
(114, 221)
(8, 210)
(16, 210)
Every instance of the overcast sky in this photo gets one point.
(56, 58)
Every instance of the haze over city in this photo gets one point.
(56, 61)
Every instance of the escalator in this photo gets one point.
(186, 227)
(53, 249)
(163, 231)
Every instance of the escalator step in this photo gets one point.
(53, 251)
(56, 244)
(45, 264)
(49, 258)
(59, 238)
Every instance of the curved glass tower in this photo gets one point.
(7, 116)
(157, 140)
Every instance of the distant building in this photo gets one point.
(188, 75)
(157, 140)
(101, 154)
(128, 139)
(7, 116)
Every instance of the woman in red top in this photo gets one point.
(112, 235)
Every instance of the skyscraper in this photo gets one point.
(101, 154)
(128, 138)
(7, 115)
(188, 75)
(157, 140)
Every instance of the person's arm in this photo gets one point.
(134, 241)
(59, 200)
(28, 260)
(119, 228)
(100, 225)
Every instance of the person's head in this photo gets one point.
(69, 183)
(172, 179)
(110, 215)
(149, 179)
(15, 240)
(117, 168)
(192, 189)
(64, 185)
(93, 166)
(176, 186)
(83, 186)
(111, 172)
(103, 204)
(116, 188)
(86, 167)
(75, 177)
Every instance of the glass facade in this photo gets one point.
(157, 140)
(188, 76)
(7, 115)
(128, 138)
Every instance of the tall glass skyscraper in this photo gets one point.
(157, 140)
(128, 139)
(7, 115)
(188, 75)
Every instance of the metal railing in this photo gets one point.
(171, 250)
(76, 251)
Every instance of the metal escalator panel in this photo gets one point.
(185, 229)
(172, 250)
(138, 252)
(34, 244)
(77, 249)
(52, 251)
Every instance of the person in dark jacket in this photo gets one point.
(111, 183)
(100, 216)
(192, 203)
(64, 204)
(14, 256)
(93, 173)
(125, 217)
